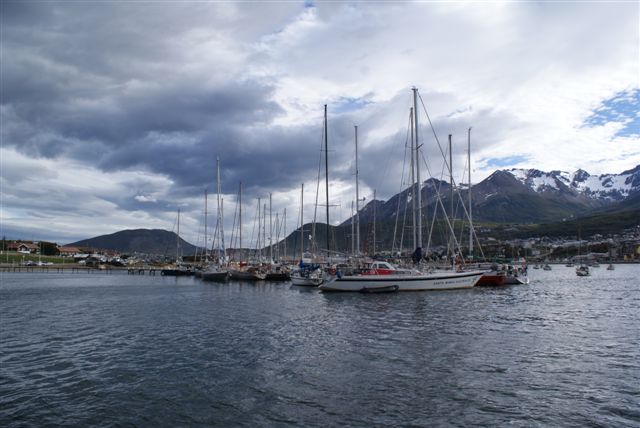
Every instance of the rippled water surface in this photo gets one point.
(98, 349)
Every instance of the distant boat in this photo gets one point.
(217, 272)
(507, 275)
(309, 275)
(546, 266)
(179, 269)
(582, 270)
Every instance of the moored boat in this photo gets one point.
(504, 275)
(393, 279)
(214, 273)
(247, 273)
(582, 270)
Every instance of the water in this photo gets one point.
(113, 350)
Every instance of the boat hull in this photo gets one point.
(307, 282)
(434, 281)
(247, 276)
(175, 272)
(492, 280)
(215, 276)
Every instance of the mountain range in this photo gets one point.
(539, 202)
(520, 196)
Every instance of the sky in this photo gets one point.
(113, 113)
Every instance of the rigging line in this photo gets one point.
(404, 163)
(433, 130)
(459, 197)
(234, 237)
(253, 229)
(315, 208)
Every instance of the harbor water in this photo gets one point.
(117, 350)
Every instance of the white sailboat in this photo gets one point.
(217, 271)
(395, 280)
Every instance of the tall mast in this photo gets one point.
(178, 238)
(451, 244)
(470, 212)
(353, 238)
(220, 219)
(413, 183)
(277, 237)
(259, 230)
(374, 222)
(357, 251)
(302, 222)
(205, 226)
(284, 231)
(326, 172)
(240, 218)
(264, 228)
(223, 250)
(419, 195)
(270, 231)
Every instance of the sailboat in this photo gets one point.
(582, 269)
(242, 270)
(306, 274)
(217, 271)
(393, 279)
(179, 269)
(311, 274)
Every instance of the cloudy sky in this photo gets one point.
(113, 113)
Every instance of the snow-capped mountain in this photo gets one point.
(606, 187)
(524, 196)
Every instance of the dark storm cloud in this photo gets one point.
(92, 95)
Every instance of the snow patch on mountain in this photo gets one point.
(611, 187)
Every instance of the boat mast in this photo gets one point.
(264, 228)
(413, 181)
(353, 237)
(451, 243)
(205, 227)
(223, 250)
(277, 233)
(470, 212)
(284, 231)
(220, 218)
(259, 231)
(374, 222)
(419, 195)
(240, 218)
(270, 231)
(357, 199)
(302, 223)
(326, 173)
(178, 238)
